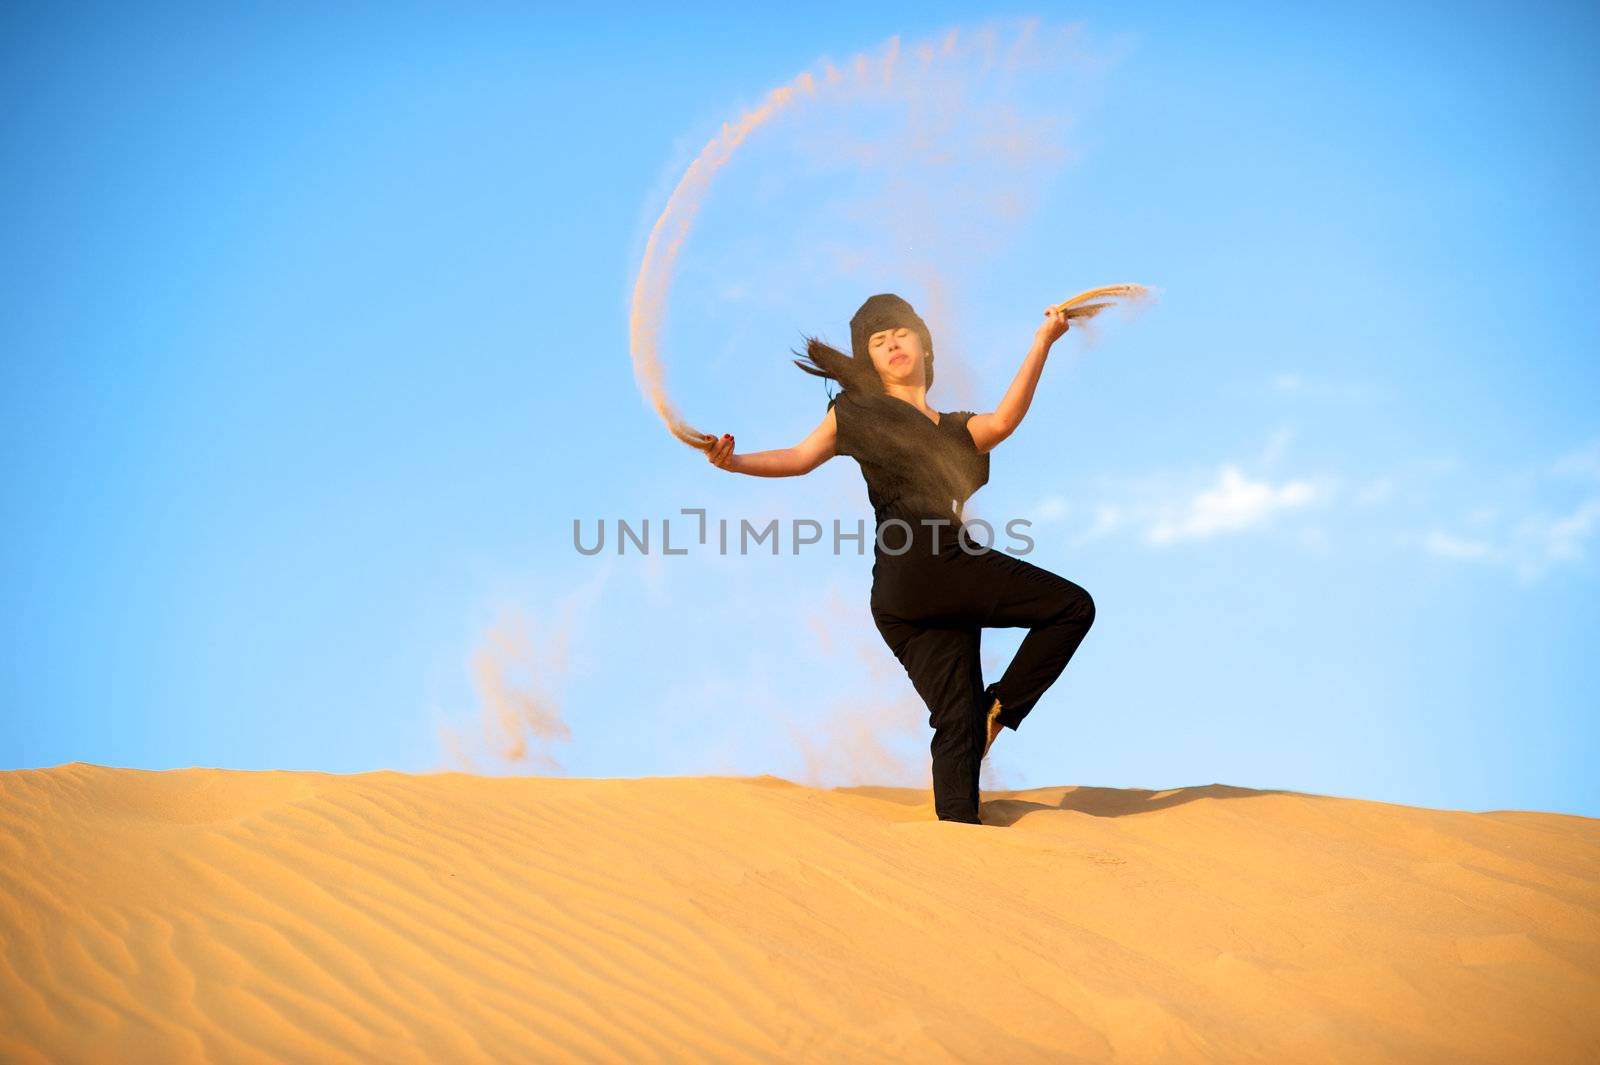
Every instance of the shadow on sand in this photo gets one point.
(1003, 808)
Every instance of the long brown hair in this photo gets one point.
(855, 372)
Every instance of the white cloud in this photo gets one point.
(1540, 543)
(1447, 546)
(1234, 503)
(1107, 518)
(1163, 507)
(1529, 538)
(1052, 508)
(1511, 528)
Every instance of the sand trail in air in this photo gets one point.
(931, 82)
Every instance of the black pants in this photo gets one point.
(931, 609)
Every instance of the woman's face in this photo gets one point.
(897, 355)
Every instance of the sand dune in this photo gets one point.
(218, 915)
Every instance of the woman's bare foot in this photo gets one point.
(994, 727)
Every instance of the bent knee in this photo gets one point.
(1079, 607)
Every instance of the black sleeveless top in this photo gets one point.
(914, 469)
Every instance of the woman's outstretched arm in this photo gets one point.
(804, 457)
(989, 429)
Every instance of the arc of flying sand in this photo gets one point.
(672, 227)
(655, 273)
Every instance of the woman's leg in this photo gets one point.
(1057, 614)
(932, 619)
(944, 669)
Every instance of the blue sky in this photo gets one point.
(316, 344)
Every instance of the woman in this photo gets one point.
(931, 599)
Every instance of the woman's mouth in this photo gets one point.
(896, 359)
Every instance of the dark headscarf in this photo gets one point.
(883, 311)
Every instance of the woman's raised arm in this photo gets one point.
(989, 429)
(804, 457)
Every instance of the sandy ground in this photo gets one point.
(221, 915)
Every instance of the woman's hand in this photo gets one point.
(1055, 324)
(720, 454)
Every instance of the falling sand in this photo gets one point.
(218, 915)
(867, 77)
(513, 671)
